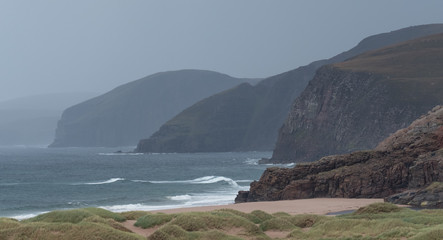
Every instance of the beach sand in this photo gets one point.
(301, 206)
(320, 206)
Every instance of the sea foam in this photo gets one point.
(182, 201)
(203, 180)
(112, 180)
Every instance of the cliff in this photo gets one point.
(135, 110)
(355, 104)
(248, 118)
(410, 158)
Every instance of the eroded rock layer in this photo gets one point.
(355, 104)
(411, 158)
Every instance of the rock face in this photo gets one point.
(411, 158)
(429, 197)
(135, 110)
(355, 104)
(248, 117)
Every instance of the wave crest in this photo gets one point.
(112, 180)
(204, 180)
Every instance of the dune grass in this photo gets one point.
(75, 216)
(78, 224)
(133, 215)
(376, 221)
(152, 220)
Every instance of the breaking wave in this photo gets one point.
(112, 180)
(203, 180)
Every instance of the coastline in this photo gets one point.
(319, 206)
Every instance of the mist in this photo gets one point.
(58, 46)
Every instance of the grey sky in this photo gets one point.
(51, 46)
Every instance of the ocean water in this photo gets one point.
(37, 180)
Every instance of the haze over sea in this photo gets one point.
(36, 180)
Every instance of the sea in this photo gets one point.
(35, 180)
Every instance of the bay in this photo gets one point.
(35, 180)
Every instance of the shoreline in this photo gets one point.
(319, 206)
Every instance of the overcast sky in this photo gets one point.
(49, 46)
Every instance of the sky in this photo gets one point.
(56, 46)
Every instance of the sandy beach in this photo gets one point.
(301, 206)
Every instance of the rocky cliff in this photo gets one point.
(135, 110)
(355, 104)
(248, 117)
(410, 158)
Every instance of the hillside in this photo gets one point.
(409, 159)
(135, 110)
(248, 117)
(355, 104)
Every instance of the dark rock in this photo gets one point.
(411, 158)
(242, 196)
(401, 198)
(429, 197)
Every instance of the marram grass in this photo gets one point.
(79, 224)
(376, 221)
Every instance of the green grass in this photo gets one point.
(134, 215)
(68, 231)
(261, 216)
(88, 223)
(307, 220)
(376, 221)
(76, 215)
(378, 208)
(152, 220)
(6, 223)
(251, 217)
(277, 223)
(214, 220)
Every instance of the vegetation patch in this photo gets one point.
(213, 220)
(306, 220)
(281, 214)
(6, 223)
(75, 216)
(377, 208)
(152, 220)
(134, 215)
(251, 217)
(261, 215)
(65, 216)
(277, 223)
(435, 186)
(105, 214)
(376, 221)
(66, 231)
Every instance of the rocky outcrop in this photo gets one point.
(411, 158)
(355, 104)
(248, 118)
(429, 197)
(135, 110)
